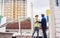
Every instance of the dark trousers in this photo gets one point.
(44, 32)
(36, 30)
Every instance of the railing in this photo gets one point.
(16, 20)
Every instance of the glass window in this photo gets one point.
(57, 2)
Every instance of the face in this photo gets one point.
(37, 17)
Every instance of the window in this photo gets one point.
(57, 3)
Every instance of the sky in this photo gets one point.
(39, 7)
(40, 3)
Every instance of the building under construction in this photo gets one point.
(13, 9)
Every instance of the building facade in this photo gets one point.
(55, 19)
(13, 9)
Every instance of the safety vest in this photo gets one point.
(36, 24)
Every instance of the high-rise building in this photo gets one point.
(14, 9)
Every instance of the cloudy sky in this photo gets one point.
(39, 6)
(40, 3)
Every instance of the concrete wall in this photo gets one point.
(23, 37)
(5, 35)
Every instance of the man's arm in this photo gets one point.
(39, 22)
